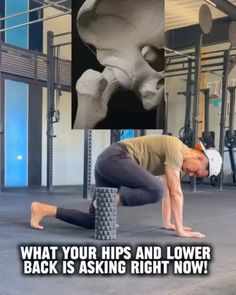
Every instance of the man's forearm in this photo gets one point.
(166, 209)
(177, 210)
(166, 206)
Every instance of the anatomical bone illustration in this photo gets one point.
(127, 35)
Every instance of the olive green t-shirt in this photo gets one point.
(154, 152)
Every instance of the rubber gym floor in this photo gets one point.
(208, 211)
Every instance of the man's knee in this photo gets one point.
(156, 193)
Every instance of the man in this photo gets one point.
(134, 164)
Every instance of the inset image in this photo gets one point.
(118, 64)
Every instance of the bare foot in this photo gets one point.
(37, 214)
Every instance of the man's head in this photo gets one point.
(201, 162)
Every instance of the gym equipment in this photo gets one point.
(217, 62)
(230, 135)
(232, 40)
(186, 133)
(87, 163)
(166, 99)
(226, 7)
(54, 79)
(208, 137)
(232, 34)
(105, 214)
(115, 135)
(223, 110)
(205, 21)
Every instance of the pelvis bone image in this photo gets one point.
(126, 36)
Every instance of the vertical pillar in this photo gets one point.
(115, 135)
(1, 119)
(1, 27)
(138, 132)
(196, 99)
(223, 111)
(166, 99)
(87, 162)
(206, 93)
(50, 109)
(232, 91)
(188, 94)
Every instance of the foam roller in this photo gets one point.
(105, 214)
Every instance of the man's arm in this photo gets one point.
(176, 201)
(166, 208)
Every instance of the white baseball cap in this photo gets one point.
(214, 159)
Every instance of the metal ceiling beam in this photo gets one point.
(56, 4)
(45, 5)
(225, 6)
(35, 21)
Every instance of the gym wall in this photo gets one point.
(215, 112)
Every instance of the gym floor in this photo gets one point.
(208, 211)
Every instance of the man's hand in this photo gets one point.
(176, 200)
(190, 234)
(171, 226)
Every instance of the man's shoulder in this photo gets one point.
(173, 143)
(170, 139)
